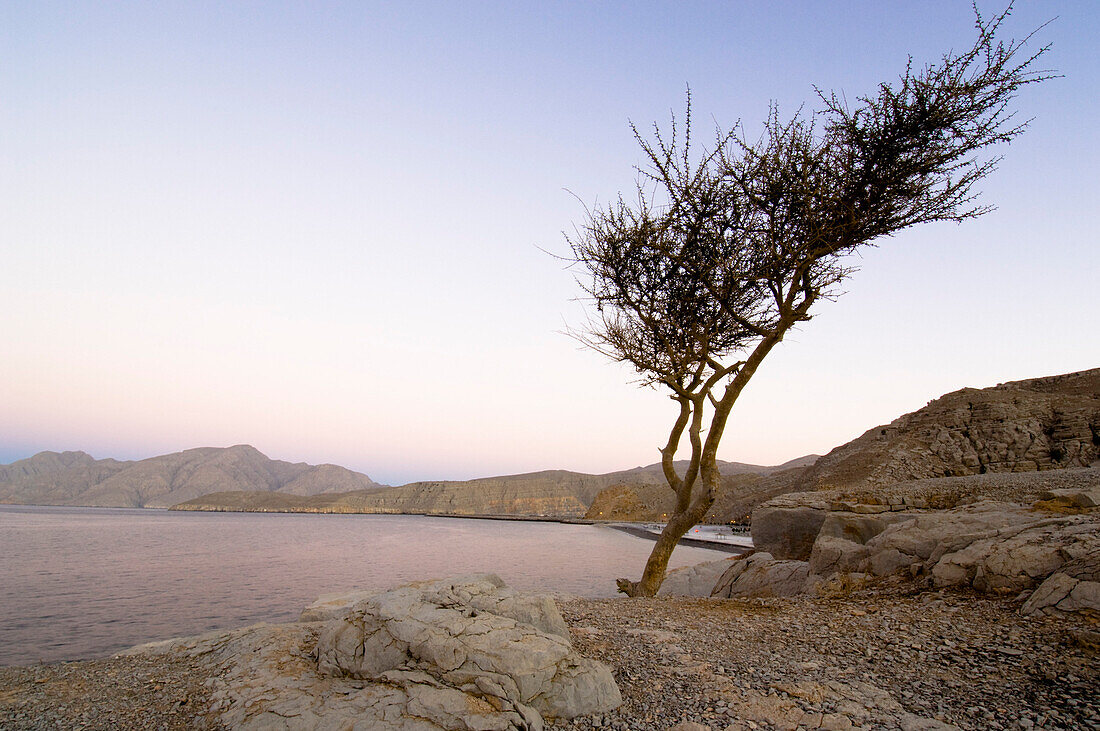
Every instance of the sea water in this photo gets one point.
(85, 582)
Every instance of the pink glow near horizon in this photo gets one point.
(321, 231)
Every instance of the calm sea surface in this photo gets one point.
(86, 582)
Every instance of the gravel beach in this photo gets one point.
(881, 658)
(885, 657)
(117, 693)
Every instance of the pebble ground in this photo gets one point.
(120, 693)
(963, 659)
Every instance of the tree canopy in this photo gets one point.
(722, 253)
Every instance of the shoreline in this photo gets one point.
(636, 529)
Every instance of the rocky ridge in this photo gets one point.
(1021, 426)
(551, 493)
(240, 478)
(738, 495)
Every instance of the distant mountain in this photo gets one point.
(738, 493)
(654, 473)
(241, 477)
(54, 478)
(75, 478)
(557, 493)
(1037, 424)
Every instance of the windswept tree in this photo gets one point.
(722, 253)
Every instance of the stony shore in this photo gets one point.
(117, 693)
(887, 656)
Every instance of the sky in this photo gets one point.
(332, 230)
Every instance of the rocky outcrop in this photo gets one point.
(789, 526)
(472, 636)
(529, 499)
(1021, 426)
(1010, 559)
(332, 606)
(462, 654)
(75, 478)
(552, 493)
(1074, 587)
(1049, 550)
(1070, 500)
(632, 503)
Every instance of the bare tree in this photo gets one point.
(696, 281)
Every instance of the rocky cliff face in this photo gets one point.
(528, 496)
(1022, 426)
(75, 478)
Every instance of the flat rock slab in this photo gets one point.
(464, 654)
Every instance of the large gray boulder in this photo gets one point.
(884, 543)
(696, 580)
(787, 526)
(265, 679)
(474, 635)
(464, 654)
(1073, 497)
(1013, 559)
(842, 542)
(989, 546)
(761, 575)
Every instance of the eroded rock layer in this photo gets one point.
(1021, 426)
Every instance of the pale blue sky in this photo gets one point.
(318, 227)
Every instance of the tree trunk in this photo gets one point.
(690, 513)
(657, 565)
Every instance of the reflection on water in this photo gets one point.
(86, 582)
